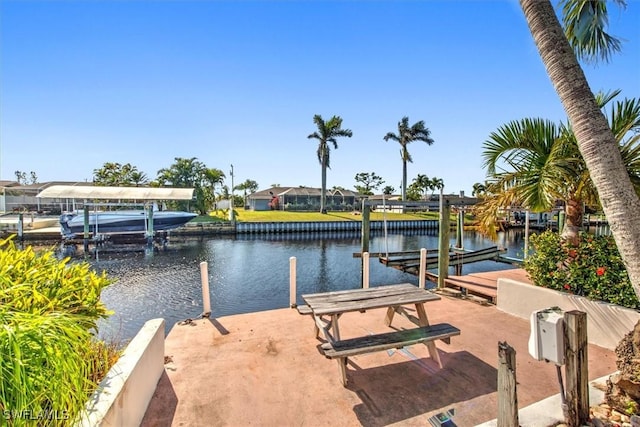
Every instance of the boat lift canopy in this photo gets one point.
(90, 192)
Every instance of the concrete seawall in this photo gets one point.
(227, 228)
(296, 227)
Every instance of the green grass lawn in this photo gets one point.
(287, 216)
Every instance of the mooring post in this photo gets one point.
(206, 296)
(507, 395)
(576, 370)
(526, 234)
(365, 270)
(365, 227)
(443, 241)
(423, 268)
(459, 223)
(292, 282)
(150, 226)
(85, 240)
(20, 226)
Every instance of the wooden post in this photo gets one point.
(576, 369)
(459, 230)
(526, 234)
(365, 270)
(85, 240)
(206, 297)
(20, 226)
(423, 269)
(365, 227)
(459, 239)
(292, 282)
(443, 241)
(150, 226)
(507, 396)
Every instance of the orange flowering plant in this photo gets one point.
(593, 268)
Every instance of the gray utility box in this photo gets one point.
(546, 341)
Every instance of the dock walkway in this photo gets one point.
(265, 369)
(484, 285)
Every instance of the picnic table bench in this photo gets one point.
(326, 309)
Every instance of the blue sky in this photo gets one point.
(238, 82)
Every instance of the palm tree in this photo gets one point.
(138, 178)
(595, 139)
(540, 163)
(327, 133)
(436, 184)
(422, 183)
(479, 189)
(406, 134)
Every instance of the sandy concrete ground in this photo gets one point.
(264, 369)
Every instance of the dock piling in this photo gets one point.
(20, 227)
(292, 282)
(365, 270)
(206, 297)
(85, 240)
(443, 241)
(423, 268)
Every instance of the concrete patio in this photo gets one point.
(265, 369)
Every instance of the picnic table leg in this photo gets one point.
(389, 317)
(334, 325)
(431, 346)
(342, 362)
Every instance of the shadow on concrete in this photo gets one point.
(218, 326)
(162, 408)
(387, 397)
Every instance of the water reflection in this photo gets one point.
(251, 273)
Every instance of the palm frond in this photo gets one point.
(585, 24)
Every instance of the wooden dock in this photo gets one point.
(484, 285)
(409, 261)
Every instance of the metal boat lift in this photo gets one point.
(92, 193)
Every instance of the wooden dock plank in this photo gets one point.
(484, 284)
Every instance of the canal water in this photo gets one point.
(251, 273)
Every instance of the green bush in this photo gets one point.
(593, 268)
(50, 361)
(39, 283)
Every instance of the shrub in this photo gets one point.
(593, 268)
(49, 360)
(39, 283)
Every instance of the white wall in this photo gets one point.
(607, 324)
(123, 396)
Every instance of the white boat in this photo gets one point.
(121, 222)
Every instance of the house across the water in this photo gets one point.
(303, 199)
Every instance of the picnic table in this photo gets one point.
(326, 309)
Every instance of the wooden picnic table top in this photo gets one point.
(338, 302)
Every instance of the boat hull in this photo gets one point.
(122, 222)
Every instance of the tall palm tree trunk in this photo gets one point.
(323, 189)
(595, 139)
(404, 180)
(574, 212)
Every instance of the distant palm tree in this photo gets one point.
(138, 178)
(436, 184)
(479, 189)
(405, 135)
(327, 133)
